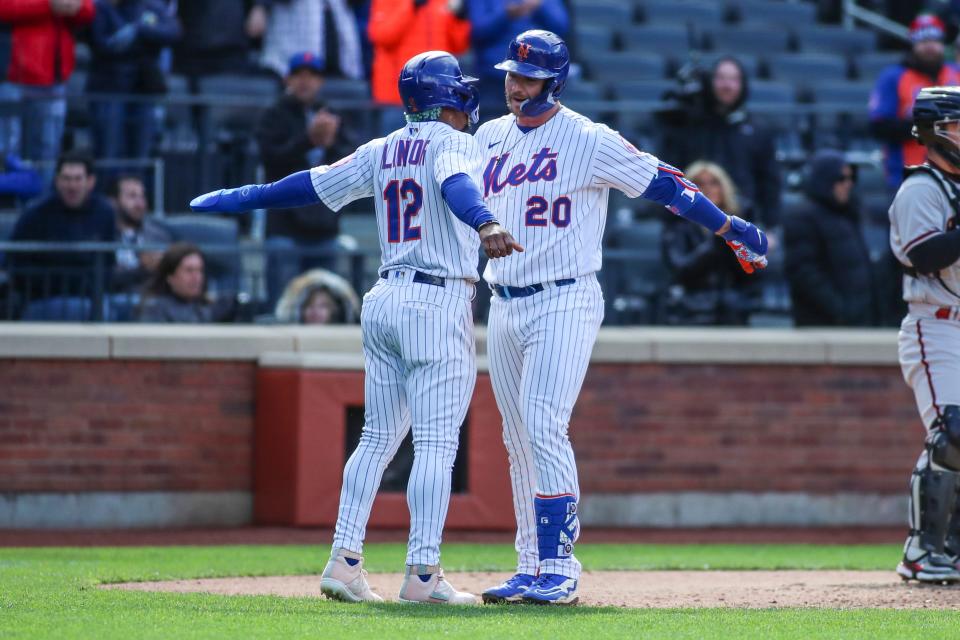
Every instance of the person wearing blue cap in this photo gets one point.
(296, 133)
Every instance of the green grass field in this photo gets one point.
(51, 593)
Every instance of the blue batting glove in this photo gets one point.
(227, 200)
(746, 234)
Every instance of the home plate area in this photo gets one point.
(642, 589)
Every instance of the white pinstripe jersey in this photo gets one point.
(403, 173)
(549, 188)
(920, 211)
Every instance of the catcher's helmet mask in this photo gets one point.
(540, 55)
(432, 80)
(934, 110)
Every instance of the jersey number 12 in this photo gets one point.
(397, 193)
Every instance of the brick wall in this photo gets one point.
(138, 425)
(813, 429)
(125, 425)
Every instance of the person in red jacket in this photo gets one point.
(399, 30)
(41, 61)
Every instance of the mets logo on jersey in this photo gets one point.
(543, 166)
(523, 50)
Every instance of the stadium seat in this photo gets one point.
(345, 89)
(772, 92)
(833, 39)
(755, 40)
(606, 13)
(672, 40)
(580, 89)
(223, 267)
(750, 62)
(642, 89)
(616, 67)
(237, 121)
(851, 95)
(699, 12)
(807, 69)
(590, 38)
(868, 66)
(751, 12)
(870, 179)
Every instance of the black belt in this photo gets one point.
(418, 276)
(522, 292)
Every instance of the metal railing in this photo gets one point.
(853, 13)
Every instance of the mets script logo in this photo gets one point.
(523, 50)
(496, 176)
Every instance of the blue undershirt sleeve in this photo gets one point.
(465, 200)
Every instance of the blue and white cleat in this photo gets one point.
(552, 588)
(510, 591)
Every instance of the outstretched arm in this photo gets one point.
(620, 165)
(295, 190)
(684, 199)
(335, 185)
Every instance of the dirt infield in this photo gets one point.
(645, 589)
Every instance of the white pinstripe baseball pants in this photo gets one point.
(539, 348)
(420, 355)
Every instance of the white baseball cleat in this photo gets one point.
(426, 584)
(345, 580)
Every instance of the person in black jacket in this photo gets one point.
(126, 38)
(713, 124)
(828, 265)
(295, 134)
(73, 213)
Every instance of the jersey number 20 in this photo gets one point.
(398, 192)
(537, 208)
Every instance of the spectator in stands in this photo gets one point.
(827, 262)
(318, 297)
(217, 37)
(328, 27)
(713, 124)
(135, 228)
(126, 39)
(709, 287)
(400, 29)
(177, 292)
(891, 103)
(493, 24)
(73, 213)
(296, 133)
(41, 61)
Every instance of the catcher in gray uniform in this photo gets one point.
(925, 239)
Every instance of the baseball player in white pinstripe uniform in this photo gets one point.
(925, 238)
(417, 320)
(547, 172)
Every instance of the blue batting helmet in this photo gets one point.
(542, 55)
(433, 79)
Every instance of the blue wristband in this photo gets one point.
(747, 234)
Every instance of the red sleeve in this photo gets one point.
(24, 10)
(459, 33)
(388, 21)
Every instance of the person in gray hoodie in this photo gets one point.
(828, 265)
